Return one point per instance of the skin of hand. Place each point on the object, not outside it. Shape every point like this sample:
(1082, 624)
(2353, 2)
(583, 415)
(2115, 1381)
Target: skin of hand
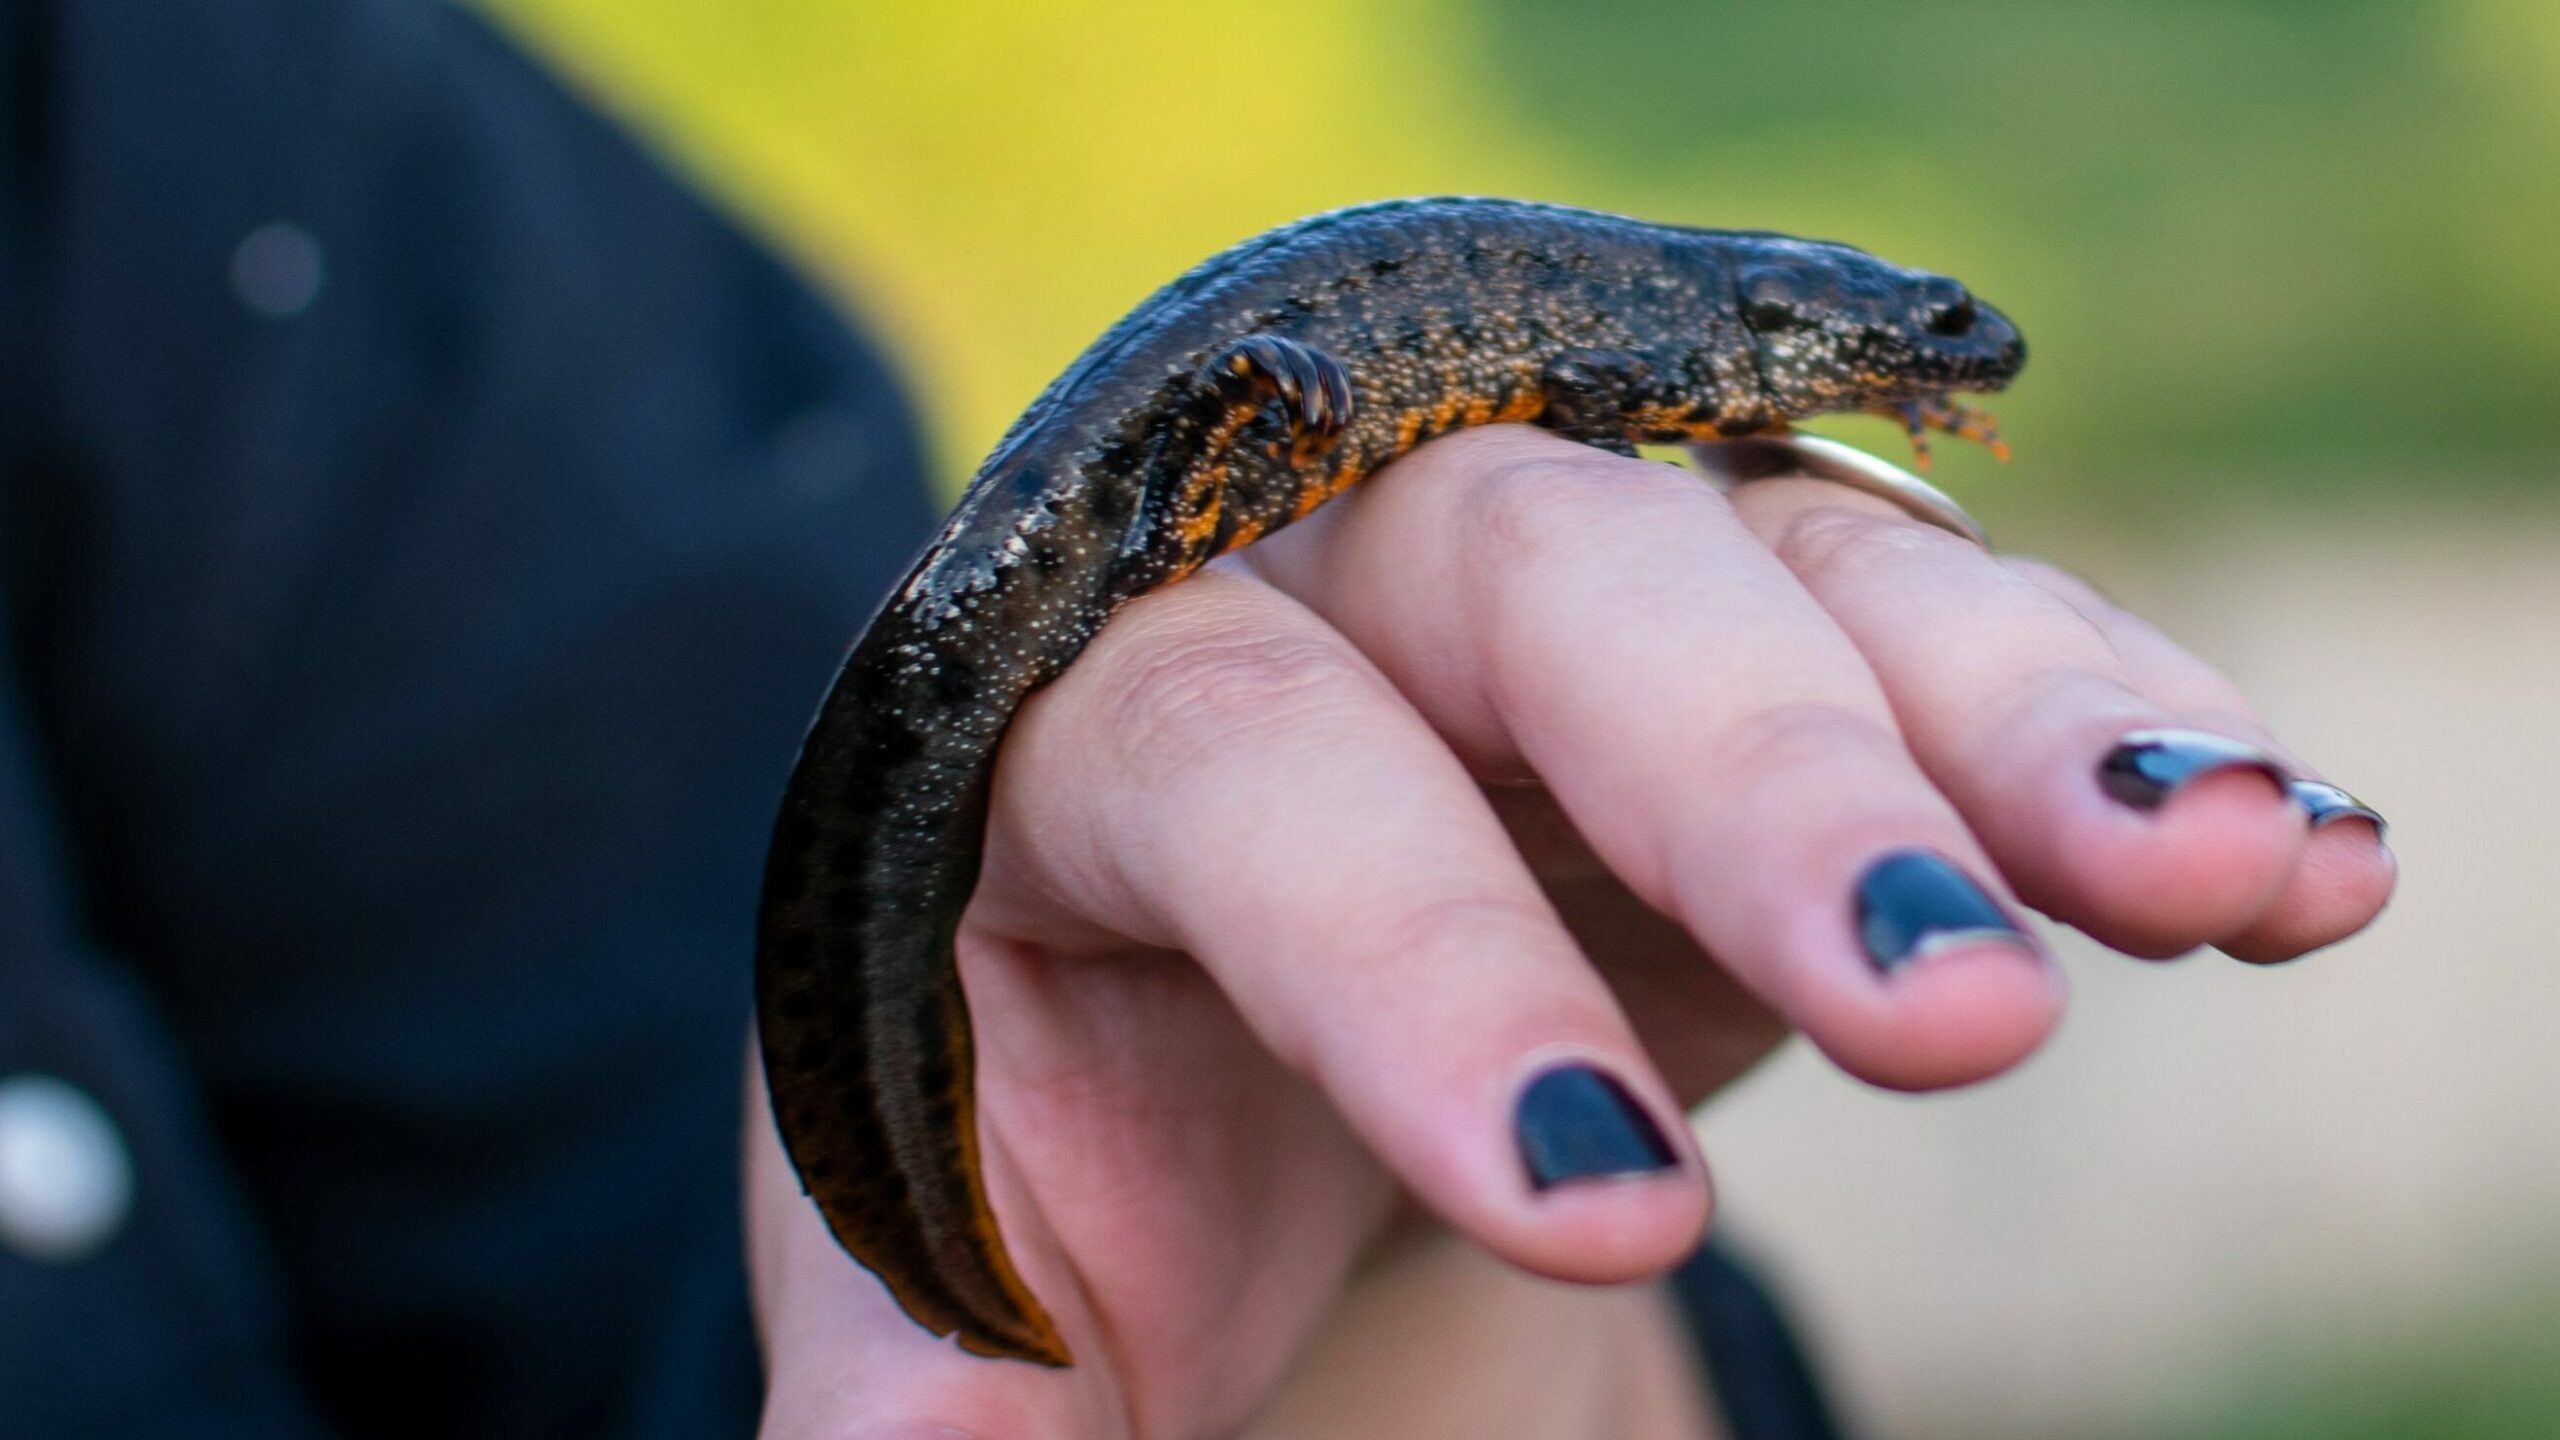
(1276, 924)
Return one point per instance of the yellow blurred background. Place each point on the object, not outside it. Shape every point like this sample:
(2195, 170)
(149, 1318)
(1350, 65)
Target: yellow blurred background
(2316, 236)
(2291, 272)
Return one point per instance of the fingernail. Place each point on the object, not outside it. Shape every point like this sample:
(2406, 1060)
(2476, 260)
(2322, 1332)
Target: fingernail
(2325, 802)
(1576, 1123)
(2149, 766)
(1915, 903)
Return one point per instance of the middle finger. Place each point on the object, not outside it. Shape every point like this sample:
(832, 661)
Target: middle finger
(1611, 626)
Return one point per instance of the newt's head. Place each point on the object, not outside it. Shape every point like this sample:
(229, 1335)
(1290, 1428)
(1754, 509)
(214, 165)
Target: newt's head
(1832, 328)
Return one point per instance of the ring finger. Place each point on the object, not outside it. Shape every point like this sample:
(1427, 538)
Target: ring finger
(2123, 788)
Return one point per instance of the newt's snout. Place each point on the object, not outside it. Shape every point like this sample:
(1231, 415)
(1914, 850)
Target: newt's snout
(1960, 341)
(1832, 328)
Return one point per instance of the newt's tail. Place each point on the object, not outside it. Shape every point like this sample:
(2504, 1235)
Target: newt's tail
(864, 1027)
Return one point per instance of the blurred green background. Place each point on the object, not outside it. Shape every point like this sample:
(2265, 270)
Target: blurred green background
(2291, 272)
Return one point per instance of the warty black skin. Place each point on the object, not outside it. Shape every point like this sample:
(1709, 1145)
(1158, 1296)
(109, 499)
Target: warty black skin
(1233, 401)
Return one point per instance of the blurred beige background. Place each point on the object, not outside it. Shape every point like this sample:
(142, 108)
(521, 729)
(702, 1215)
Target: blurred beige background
(2219, 1179)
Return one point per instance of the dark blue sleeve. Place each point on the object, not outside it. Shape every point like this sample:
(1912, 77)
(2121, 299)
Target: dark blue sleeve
(424, 531)
(1765, 1383)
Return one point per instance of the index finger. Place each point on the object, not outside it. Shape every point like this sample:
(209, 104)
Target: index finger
(1223, 774)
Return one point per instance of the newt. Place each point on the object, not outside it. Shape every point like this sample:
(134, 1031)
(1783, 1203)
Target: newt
(1235, 400)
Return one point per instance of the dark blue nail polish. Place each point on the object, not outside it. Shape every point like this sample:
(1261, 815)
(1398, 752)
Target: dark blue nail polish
(1576, 1123)
(1915, 903)
(2149, 766)
(2325, 802)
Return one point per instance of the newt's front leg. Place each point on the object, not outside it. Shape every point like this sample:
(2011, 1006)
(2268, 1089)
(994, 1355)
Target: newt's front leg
(1589, 395)
(1269, 413)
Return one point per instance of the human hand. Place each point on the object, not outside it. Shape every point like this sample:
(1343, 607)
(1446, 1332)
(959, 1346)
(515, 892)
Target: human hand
(1275, 925)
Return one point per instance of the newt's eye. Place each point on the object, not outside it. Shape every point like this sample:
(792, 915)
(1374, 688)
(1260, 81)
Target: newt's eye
(1770, 314)
(1955, 319)
(1770, 300)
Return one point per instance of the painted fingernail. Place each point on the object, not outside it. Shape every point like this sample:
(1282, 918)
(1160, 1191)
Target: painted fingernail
(2325, 802)
(2149, 766)
(1915, 903)
(1576, 1123)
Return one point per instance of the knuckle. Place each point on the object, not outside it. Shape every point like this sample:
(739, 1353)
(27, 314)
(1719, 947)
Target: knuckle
(1519, 509)
(2067, 585)
(2033, 707)
(1822, 540)
(1538, 506)
(1776, 743)
(2212, 697)
(1399, 928)
(1391, 947)
(1210, 688)
(2035, 695)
